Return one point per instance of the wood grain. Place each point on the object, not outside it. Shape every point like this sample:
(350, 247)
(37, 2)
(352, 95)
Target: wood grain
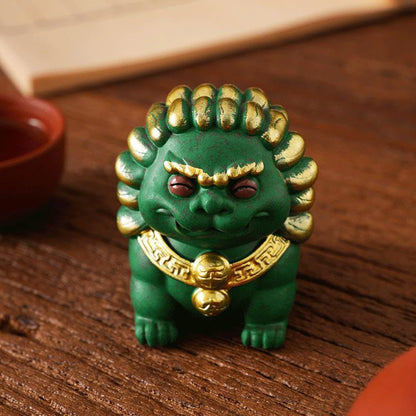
(67, 344)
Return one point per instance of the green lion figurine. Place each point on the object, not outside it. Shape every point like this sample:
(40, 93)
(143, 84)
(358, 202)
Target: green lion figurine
(215, 193)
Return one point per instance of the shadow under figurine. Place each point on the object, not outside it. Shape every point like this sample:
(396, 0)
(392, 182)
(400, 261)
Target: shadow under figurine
(215, 193)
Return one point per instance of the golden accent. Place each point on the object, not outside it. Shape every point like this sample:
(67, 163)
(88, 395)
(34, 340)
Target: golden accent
(239, 171)
(231, 92)
(211, 271)
(178, 115)
(292, 153)
(204, 90)
(210, 302)
(258, 96)
(254, 118)
(203, 113)
(276, 129)
(298, 228)
(218, 179)
(139, 144)
(302, 177)
(281, 110)
(205, 180)
(127, 196)
(129, 175)
(180, 91)
(155, 122)
(241, 272)
(129, 222)
(302, 201)
(227, 113)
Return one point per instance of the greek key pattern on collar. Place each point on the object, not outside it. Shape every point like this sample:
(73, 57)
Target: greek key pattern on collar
(242, 271)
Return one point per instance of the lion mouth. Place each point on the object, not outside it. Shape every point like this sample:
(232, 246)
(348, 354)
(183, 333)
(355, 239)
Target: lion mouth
(191, 232)
(210, 230)
(213, 231)
(200, 232)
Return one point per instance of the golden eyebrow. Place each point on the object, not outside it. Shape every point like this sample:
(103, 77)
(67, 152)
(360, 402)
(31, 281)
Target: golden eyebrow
(219, 179)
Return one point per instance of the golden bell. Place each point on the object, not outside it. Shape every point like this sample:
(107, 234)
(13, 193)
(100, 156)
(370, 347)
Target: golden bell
(210, 302)
(211, 271)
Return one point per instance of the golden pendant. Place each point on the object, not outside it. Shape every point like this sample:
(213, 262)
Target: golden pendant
(210, 272)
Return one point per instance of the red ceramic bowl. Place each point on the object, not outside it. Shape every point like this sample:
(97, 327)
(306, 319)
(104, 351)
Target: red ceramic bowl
(31, 155)
(392, 392)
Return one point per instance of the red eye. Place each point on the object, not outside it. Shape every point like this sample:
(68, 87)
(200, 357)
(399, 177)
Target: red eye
(181, 186)
(244, 188)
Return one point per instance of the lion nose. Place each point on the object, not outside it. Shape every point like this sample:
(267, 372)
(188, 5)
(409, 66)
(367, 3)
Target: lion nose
(211, 202)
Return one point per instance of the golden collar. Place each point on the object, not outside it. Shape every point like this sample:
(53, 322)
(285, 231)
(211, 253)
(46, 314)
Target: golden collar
(210, 272)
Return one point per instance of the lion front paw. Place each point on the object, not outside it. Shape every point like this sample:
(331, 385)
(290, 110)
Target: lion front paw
(154, 332)
(264, 336)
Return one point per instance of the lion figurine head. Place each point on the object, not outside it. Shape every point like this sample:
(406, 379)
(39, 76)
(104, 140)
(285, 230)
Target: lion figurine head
(216, 168)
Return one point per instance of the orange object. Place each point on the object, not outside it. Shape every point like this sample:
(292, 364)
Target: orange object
(392, 392)
(31, 155)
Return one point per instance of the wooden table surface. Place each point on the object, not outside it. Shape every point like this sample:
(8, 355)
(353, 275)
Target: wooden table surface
(67, 343)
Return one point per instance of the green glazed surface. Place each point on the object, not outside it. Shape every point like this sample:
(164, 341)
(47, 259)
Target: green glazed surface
(211, 219)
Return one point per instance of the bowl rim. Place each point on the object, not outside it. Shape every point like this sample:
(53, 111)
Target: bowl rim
(27, 104)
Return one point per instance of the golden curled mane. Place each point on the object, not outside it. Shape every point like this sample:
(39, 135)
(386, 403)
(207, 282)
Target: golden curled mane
(227, 108)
